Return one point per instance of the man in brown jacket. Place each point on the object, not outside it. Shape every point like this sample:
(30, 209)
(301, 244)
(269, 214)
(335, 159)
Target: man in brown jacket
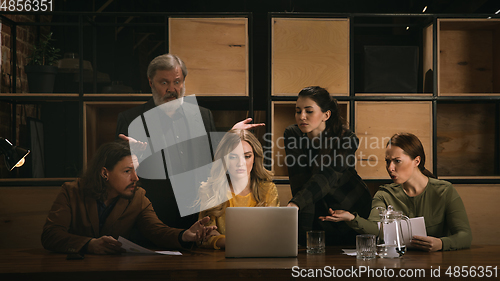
(89, 214)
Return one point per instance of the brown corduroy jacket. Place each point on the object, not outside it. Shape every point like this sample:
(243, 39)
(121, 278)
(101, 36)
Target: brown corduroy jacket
(73, 221)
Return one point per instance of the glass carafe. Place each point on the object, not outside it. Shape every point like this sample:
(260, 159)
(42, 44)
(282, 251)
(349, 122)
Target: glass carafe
(390, 240)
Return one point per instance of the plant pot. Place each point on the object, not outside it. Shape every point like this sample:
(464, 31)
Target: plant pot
(41, 78)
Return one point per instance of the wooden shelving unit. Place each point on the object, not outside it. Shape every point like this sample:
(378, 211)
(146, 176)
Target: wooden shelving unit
(454, 111)
(214, 47)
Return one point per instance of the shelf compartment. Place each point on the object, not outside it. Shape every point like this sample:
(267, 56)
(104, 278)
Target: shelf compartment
(465, 139)
(392, 54)
(99, 126)
(215, 51)
(468, 57)
(282, 116)
(310, 52)
(376, 122)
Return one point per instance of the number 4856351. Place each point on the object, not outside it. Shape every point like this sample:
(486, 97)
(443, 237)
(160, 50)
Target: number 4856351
(26, 6)
(472, 271)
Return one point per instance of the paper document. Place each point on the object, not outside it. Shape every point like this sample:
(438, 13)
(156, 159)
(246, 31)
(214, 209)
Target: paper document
(349, 252)
(133, 248)
(417, 228)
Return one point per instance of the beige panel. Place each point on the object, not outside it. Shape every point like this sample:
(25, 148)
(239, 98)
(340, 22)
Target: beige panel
(282, 116)
(466, 61)
(428, 59)
(284, 194)
(481, 204)
(465, 144)
(376, 122)
(310, 52)
(468, 56)
(100, 120)
(215, 51)
(23, 211)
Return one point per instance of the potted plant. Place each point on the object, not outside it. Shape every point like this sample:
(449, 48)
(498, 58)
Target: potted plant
(40, 69)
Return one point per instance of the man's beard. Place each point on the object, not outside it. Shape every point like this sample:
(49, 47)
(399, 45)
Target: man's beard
(126, 196)
(159, 100)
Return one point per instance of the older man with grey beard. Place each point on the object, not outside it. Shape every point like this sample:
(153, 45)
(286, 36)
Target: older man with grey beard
(166, 75)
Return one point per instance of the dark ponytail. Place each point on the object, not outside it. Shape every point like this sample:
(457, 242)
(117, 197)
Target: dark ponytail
(335, 125)
(412, 147)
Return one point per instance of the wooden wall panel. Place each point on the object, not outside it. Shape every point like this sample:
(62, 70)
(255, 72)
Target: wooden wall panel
(465, 145)
(376, 122)
(465, 61)
(481, 203)
(215, 51)
(310, 52)
(23, 211)
(468, 56)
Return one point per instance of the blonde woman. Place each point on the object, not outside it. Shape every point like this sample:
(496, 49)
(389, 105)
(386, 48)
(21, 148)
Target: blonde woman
(237, 179)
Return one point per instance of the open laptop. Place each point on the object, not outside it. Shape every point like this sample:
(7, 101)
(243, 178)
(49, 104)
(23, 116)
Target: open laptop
(261, 232)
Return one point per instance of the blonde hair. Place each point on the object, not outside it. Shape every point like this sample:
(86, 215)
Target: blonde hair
(215, 189)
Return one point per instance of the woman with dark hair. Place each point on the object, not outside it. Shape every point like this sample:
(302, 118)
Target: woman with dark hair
(417, 193)
(237, 179)
(320, 160)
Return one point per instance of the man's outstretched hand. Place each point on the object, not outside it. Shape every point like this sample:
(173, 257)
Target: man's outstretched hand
(135, 145)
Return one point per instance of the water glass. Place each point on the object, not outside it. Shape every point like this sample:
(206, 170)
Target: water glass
(315, 242)
(366, 247)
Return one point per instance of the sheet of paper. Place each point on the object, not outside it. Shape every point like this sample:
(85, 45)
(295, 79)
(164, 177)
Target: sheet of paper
(417, 228)
(349, 252)
(131, 247)
(171, 253)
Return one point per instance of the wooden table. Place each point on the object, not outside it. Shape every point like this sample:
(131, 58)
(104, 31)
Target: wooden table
(39, 264)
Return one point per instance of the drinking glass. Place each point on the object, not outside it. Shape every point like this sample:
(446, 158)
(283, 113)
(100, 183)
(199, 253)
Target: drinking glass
(366, 247)
(315, 242)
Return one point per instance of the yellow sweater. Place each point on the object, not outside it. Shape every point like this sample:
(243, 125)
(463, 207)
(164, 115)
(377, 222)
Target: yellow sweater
(268, 190)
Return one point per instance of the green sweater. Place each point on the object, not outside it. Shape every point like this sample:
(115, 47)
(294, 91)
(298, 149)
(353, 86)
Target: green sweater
(439, 204)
